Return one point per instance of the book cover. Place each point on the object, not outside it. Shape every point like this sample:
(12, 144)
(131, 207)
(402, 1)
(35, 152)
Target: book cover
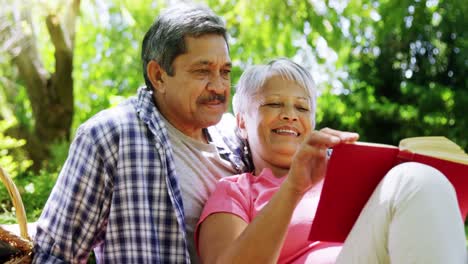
(354, 170)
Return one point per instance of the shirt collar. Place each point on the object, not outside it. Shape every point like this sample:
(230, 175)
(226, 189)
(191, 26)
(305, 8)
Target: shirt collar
(145, 104)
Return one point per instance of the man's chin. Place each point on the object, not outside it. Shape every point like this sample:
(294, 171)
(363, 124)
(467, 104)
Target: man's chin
(212, 115)
(213, 120)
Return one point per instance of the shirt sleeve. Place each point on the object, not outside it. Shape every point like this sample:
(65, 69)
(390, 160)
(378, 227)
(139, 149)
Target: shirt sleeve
(75, 215)
(230, 196)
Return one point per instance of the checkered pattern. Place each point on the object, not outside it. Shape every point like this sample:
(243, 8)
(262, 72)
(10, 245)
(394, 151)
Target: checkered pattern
(118, 191)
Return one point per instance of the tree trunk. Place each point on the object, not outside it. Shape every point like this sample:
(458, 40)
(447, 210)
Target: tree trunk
(50, 94)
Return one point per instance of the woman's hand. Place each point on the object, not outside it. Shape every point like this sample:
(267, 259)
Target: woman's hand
(310, 160)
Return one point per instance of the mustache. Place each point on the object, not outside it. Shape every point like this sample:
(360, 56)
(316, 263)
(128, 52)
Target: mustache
(211, 98)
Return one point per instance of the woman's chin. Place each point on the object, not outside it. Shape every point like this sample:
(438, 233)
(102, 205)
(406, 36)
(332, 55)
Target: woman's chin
(288, 150)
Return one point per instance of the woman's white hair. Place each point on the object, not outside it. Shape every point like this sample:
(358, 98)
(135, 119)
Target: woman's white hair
(253, 79)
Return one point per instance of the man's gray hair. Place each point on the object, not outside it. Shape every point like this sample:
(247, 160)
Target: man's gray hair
(253, 79)
(165, 39)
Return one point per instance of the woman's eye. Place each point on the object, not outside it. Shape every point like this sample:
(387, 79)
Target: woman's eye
(302, 109)
(275, 105)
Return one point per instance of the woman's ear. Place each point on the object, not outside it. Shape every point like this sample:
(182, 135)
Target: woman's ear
(241, 125)
(155, 74)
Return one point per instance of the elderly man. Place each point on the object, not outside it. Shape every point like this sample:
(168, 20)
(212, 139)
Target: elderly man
(137, 175)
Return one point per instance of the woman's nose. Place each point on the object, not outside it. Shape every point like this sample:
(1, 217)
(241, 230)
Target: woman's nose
(288, 113)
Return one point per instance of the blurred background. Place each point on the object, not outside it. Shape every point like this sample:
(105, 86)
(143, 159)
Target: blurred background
(385, 69)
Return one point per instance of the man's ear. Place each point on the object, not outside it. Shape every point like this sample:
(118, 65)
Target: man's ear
(155, 74)
(241, 125)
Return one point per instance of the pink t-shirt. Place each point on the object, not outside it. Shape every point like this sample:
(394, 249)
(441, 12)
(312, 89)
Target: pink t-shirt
(245, 195)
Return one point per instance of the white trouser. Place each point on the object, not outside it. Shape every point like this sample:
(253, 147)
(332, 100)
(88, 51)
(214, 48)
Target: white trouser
(412, 217)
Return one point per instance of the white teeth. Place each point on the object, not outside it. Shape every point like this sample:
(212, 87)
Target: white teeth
(286, 131)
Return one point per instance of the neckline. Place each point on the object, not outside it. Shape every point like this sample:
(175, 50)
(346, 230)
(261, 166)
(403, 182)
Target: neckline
(184, 138)
(267, 173)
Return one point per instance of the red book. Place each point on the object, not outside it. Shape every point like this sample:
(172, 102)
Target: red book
(354, 170)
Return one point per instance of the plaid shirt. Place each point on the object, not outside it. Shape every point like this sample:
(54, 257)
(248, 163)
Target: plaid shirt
(118, 191)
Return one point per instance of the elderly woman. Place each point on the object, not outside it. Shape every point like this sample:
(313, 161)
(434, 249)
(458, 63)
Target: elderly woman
(265, 216)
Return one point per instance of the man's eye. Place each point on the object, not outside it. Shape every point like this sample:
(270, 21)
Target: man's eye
(202, 71)
(225, 73)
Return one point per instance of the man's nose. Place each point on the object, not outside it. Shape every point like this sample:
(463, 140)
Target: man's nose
(218, 84)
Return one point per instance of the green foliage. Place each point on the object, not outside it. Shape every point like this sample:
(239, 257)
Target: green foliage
(34, 188)
(12, 161)
(413, 65)
(59, 153)
(107, 62)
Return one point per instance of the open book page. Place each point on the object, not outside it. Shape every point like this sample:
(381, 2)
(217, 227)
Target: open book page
(439, 147)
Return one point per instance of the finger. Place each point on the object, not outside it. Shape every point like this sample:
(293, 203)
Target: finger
(309, 152)
(345, 136)
(322, 140)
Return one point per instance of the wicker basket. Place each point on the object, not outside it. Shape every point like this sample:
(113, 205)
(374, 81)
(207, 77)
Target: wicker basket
(22, 244)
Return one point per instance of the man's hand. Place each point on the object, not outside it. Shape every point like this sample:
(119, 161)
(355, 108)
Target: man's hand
(310, 160)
